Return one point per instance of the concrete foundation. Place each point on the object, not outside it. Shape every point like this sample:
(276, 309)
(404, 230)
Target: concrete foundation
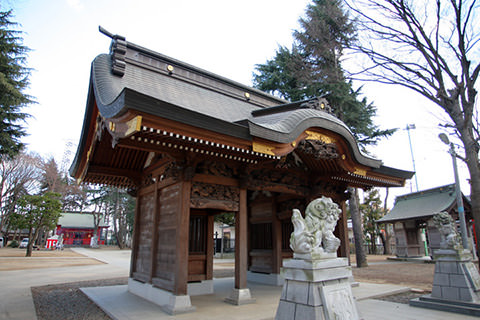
(169, 302)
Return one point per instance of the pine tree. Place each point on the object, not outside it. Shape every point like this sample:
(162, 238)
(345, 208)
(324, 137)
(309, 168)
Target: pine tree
(13, 81)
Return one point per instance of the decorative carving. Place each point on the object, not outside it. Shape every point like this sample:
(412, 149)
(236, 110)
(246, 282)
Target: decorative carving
(319, 149)
(148, 180)
(289, 161)
(172, 171)
(318, 103)
(214, 192)
(449, 237)
(215, 168)
(277, 176)
(313, 236)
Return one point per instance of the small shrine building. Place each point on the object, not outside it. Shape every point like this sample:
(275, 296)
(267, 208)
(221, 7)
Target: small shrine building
(412, 219)
(190, 144)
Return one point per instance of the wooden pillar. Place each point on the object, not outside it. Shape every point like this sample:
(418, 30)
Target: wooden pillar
(209, 262)
(182, 234)
(241, 294)
(156, 215)
(136, 234)
(276, 238)
(241, 254)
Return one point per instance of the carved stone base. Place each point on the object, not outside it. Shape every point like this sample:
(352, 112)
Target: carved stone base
(240, 296)
(317, 289)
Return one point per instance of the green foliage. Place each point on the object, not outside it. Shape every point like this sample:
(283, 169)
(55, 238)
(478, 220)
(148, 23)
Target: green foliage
(313, 68)
(227, 218)
(13, 81)
(372, 210)
(36, 211)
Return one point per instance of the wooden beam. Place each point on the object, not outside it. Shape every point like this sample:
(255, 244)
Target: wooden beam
(114, 172)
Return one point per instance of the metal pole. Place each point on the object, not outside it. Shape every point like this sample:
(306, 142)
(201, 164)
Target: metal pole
(412, 126)
(461, 210)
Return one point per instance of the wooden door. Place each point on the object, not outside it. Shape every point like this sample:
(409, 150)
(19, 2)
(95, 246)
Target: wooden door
(200, 246)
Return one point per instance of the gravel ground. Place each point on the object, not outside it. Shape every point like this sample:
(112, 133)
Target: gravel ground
(67, 302)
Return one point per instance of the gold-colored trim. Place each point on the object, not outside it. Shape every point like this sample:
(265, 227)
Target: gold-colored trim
(312, 135)
(360, 172)
(112, 126)
(262, 148)
(134, 125)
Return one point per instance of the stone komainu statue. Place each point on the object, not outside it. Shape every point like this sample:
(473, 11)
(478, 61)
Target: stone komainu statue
(449, 237)
(314, 234)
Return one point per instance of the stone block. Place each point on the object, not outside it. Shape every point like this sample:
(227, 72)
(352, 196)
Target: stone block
(315, 264)
(297, 291)
(314, 296)
(450, 293)
(450, 267)
(317, 275)
(304, 312)
(285, 310)
(240, 297)
(284, 290)
(466, 294)
(436, 291)
(458, 281)
(441, 279)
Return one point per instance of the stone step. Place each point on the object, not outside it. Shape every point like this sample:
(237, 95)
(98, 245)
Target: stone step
(462, 307)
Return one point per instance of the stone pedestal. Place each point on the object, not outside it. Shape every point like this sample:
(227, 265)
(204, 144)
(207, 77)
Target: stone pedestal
(169, 302)
(239, 297)
(317, 289)
(456, 284)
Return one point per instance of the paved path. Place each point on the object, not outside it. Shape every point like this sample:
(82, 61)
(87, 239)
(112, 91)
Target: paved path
(16, 301)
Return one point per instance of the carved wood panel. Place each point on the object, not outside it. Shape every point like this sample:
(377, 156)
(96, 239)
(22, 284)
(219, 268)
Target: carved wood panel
(214, 196)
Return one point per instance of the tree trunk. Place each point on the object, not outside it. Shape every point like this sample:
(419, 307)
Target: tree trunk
(30, 243)
(353, 205)
(473, 167)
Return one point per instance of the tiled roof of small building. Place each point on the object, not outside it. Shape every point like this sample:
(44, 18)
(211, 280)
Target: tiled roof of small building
(422, 204)
(78, 221)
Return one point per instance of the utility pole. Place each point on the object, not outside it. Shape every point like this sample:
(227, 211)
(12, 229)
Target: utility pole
(408, 128)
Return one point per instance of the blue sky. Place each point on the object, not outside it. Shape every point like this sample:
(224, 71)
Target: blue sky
(224, 37)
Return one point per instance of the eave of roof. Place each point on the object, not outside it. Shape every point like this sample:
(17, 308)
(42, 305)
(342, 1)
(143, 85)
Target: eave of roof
(421, 204)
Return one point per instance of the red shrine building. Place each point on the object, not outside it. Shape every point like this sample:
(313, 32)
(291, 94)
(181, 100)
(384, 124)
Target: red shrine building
(79, 228)
(189, 145)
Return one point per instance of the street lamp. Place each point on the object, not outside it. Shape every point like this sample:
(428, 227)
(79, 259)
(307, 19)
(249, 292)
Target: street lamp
(461, 210)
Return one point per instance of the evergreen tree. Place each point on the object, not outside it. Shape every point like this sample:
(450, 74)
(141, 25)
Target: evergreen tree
(13, 81)
(313, 68)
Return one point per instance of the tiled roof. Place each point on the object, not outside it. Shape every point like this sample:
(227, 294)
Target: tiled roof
(78, 220)
(421, 204)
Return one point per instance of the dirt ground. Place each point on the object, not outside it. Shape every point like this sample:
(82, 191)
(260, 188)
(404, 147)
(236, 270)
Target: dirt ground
(14, 259)
(417, 275)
